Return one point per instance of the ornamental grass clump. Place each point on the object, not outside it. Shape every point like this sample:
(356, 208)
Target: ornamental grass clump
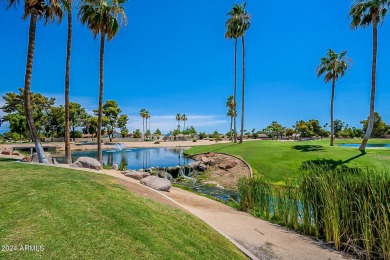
(349, 208)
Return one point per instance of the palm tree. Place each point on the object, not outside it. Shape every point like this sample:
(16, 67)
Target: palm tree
(143, 113)
(68, 155)
(178, 119)
(231, 105)
(237, 25)
(50, 11)
(364, 13)
(333, 66)
(147, 117)
(232, 33)
(102, 17)
(184, 118)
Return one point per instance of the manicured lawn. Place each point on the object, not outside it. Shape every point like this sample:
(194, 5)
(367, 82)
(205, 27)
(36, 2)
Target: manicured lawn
(79, 215)
(280, 161)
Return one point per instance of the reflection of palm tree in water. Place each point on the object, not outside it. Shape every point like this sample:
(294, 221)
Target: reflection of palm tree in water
(110, 159)
(145, 155)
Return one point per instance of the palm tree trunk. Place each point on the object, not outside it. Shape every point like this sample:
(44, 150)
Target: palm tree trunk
(68, 155)
(331, 113)
(235, 91)
(143, 128)
(243, 89)
(373, 82)
(27, 85)
(231, 126)
(99, 126)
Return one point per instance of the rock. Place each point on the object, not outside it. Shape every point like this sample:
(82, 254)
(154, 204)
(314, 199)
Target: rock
(27, 159)
(202, 167)
(137, 175)
(228, 165)
(15, 153)
(210, 154)
(48, 156)
(87, 162)
(156, 183)
(6, 152)
(205, 160)
(194, 165)
(212, 162)
(115, 167)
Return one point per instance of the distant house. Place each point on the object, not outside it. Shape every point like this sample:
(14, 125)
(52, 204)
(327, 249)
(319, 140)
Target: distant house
(262, 136)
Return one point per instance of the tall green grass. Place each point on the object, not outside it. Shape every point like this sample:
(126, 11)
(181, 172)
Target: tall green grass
(348, 208)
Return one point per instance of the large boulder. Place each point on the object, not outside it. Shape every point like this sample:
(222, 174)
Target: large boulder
(205, 160)
(115, 167)
(210, 154)
(156, 183)
(136, 174)
(87, 162)
(202, 167)
(227, 165)
(194, 165)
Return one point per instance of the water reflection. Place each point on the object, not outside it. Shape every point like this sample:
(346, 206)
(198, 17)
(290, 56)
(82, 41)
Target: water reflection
(137, 158)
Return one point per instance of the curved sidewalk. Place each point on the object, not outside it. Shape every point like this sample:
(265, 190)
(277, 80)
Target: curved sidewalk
(262, 239)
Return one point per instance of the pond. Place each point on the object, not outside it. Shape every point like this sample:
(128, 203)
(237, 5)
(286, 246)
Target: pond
(368, 145)
(135, 158)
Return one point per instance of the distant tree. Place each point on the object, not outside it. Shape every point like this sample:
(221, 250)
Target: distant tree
(122, 122)
(55, 122)
(333, 66)
(338, 125)
(157, 132)
(111, 111)
(137, 133)
(232, 113)
(76, 116)
(143, 112)
(202, 135)
(18, 124)
(178, 119)
(364, 13)
(289, 132)
(274, 130)
(305, 129)
(184, 118)
(215, 135)
(190, 131)
(379, 128)
(316, 127)
(102, 17)
(175, 133)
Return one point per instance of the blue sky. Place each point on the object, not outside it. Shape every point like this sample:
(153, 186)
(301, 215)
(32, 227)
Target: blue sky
(172, 57)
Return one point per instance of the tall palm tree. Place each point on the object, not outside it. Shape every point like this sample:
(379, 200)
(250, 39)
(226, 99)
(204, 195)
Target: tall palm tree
(50, 11)
(147, 117)
(233, 33)
(143, 113)
(184, 118)
(334, 67)
(68, 155)
(231, 105)
(237, 25)
(178, 119)
(102, 17)
(364, 13)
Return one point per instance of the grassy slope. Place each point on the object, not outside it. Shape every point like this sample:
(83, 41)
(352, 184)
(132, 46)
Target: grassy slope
(85, 215)
(279, 161)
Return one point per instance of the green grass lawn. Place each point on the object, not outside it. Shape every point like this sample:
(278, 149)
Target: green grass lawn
(84, 215)
(280, 161)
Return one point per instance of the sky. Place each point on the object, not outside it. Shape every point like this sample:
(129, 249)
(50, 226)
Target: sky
(172, 57)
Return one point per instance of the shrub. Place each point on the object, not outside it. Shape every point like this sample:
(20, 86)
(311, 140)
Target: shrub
(349, 208)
